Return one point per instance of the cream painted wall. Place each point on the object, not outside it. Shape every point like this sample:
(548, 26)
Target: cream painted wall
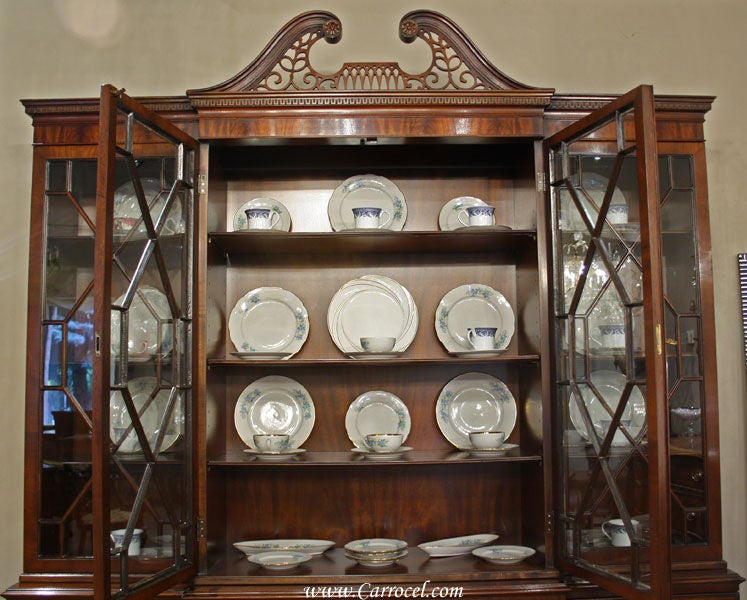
(67, 48)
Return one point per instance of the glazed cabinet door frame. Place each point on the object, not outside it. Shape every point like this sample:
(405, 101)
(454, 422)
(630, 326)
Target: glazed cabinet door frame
(124, 125)
(640, 102)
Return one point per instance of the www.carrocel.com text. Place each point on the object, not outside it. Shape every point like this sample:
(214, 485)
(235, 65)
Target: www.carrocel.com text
(365, 591)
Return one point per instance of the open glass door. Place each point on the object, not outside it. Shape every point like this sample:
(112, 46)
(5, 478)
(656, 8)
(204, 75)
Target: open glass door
(143, 448)
(610, 394)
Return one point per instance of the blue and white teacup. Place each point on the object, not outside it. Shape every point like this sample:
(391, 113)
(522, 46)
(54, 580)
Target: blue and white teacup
(370, 217)
(477, 216)
(612, 335)
(261, 218)
(615, 531)
(482, 338)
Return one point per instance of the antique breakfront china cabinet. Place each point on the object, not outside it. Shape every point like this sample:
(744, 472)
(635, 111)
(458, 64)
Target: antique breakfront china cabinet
(170, 321)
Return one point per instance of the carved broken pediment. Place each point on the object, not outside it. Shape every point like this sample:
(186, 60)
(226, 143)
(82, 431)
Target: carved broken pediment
(284, 66)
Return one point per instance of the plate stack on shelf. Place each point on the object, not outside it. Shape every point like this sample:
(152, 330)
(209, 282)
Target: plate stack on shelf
(376, 552)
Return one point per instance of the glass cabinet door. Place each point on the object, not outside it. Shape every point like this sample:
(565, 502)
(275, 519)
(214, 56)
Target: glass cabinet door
(143, 435)
(609, 371)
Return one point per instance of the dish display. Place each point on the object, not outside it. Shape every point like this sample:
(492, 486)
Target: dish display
(283, 223)
(504, 555)
(266, 321)
(278, 560)
(376, 552)
(609, 385)
(474, 402)
(304, 546)
(469, 306)
(274, 404)
(127, 212)
(142, 390)
(376, 412)
(456, 546)
(372, 306)
(149, 325)
(448, 218)
(366, 190)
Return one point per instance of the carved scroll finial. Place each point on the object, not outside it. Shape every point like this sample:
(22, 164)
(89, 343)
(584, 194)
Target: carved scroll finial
(284, 65)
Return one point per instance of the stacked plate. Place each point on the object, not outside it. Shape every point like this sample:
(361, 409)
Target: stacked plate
(372, 306)
(376, 552)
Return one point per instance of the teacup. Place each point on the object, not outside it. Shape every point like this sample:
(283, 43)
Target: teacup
(271, 442)
(261, 218)
(476, 216)
(482, 338)
(384, 442)
(612, 335)
(615, 531)
(118, 536)
(617, 214)
(370, 217)
(487, 439)
(378, 344)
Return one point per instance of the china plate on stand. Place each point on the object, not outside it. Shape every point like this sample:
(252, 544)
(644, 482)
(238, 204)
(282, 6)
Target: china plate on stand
(274, 404)
(268, 320)
(376, 411)
(474, 402)
(366, 190)
(448, 218)
(473, 305)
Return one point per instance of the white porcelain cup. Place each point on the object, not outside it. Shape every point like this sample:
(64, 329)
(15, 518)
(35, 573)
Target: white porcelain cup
(487, 439)
(384, 442)
(377, 344)
(482, 338)
(615, 531)
(261, 218)
(476, 216)
(271, 442)
(612, 335)
(118, 536)
(617, 214)
(370, 217)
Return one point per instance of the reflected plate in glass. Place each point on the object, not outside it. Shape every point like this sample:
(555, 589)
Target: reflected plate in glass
(127, 212)
(274, 404)
(148, 311)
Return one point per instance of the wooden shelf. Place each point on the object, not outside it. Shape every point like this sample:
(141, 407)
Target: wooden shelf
(352, 362)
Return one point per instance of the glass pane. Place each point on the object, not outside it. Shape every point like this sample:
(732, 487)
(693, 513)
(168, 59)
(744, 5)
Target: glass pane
(602, 386)
(66, 359)
(150, 395)
(680, 262)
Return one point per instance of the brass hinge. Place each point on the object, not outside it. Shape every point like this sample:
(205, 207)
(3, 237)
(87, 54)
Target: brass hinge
(549, 523)
(201, 529)
(541, 181)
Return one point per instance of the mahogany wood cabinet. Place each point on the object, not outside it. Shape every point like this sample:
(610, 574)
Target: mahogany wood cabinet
(142, 403)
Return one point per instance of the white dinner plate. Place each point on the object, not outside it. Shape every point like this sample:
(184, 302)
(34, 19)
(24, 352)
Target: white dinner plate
(278, 560)
(473, 305)
(504, 555)
(376, 411)
(141, 389)
(304, 546)
(283, 223)
(127, 212)
(268, 321)
(474, 402)
(372, 306)
(149, 311)
(366, 190)
(448, 218)
(274, 404)
(609, 385)
(457, 546)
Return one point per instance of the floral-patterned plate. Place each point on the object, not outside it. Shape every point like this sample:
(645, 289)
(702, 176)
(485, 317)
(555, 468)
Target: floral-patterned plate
(473, 305)
(266, 321)
(474, 402)
(366, 190)
(274, 404)
(376, 411)
(457, 546)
